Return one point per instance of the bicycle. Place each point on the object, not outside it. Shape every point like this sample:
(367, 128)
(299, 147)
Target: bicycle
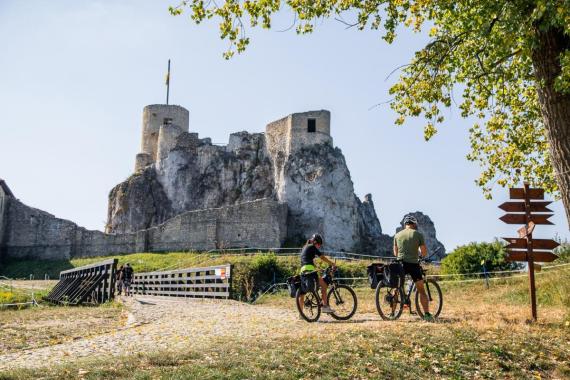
(339, 296)
(390, 301)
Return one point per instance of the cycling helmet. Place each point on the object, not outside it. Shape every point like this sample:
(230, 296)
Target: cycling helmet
(317, 238)
(410, 219)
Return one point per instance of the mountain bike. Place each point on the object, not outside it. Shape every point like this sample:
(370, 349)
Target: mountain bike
(390, 301)
(341, 298)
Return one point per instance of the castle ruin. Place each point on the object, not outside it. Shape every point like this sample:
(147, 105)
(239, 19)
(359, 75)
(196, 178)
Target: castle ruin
(262, 190)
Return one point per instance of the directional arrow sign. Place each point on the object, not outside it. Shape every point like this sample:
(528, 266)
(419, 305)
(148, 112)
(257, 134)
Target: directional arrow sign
(518, 193)
(521, 219)
(540, 256)
(536, 243)
(520, 207)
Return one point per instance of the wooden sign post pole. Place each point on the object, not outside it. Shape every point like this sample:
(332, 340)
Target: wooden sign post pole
(530, 255)
(524, 211)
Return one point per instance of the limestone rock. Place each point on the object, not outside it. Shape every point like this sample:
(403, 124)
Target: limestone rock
(138, 203)
(195, 175)
(373, 241)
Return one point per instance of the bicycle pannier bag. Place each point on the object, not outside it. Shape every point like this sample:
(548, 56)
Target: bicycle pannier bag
(309, 282)
(374, 271)
(393, 275)
(293, 283)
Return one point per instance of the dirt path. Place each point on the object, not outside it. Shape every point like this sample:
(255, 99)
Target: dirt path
(157, 323)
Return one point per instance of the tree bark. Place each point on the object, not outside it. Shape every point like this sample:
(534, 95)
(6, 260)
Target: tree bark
(555, 106)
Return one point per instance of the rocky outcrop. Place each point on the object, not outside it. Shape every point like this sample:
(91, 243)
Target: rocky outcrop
(138, 203)
(293, 162)
(427, 228)
(195, 175)
(371, 237)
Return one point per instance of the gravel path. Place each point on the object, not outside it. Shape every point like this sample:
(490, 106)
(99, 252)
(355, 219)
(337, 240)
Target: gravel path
(161, 323)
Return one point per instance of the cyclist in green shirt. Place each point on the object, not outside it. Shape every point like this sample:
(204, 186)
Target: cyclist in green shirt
(406, 245)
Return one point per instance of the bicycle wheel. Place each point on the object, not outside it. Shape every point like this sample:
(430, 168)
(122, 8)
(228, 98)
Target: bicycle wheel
(343, 300)
(310, 310)
(435, 298)
(389, 302)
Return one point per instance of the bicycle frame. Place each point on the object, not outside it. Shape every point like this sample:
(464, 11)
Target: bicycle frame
(332, 286)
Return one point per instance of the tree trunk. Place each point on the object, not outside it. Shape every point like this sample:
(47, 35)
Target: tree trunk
(555, 106)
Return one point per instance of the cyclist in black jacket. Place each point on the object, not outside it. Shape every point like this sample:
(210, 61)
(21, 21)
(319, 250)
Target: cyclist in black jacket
(308, 254)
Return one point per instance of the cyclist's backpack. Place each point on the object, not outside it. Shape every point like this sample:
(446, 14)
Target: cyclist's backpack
(293, 283)
(374, 271)
(393, 275)
(309, 282)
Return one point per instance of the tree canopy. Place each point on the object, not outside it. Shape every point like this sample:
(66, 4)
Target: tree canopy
(482, 58)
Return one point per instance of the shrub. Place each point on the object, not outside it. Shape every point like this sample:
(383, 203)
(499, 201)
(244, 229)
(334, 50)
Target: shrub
(563, 253)
(467, 258)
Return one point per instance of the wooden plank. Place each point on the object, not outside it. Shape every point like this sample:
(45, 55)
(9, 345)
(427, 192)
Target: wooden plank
(187, 270)
(187, 286)
(544, 243)
(85, 267)
(540, 256)
(521, 219)
(518, 193)
(520, 207)
(536, 243)
(199, 278)
(515, 243)
(188, 294)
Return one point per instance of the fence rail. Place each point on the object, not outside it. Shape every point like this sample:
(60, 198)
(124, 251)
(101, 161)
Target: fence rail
(206, 282)
(93, 283)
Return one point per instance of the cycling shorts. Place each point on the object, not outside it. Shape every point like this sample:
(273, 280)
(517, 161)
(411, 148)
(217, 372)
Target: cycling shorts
(414, 270)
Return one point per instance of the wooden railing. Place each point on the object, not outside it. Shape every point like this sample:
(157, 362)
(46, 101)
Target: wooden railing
(208, 282)
(93, 283)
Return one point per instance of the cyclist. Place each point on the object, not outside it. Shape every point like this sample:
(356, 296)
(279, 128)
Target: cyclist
(406, 245)
(308, 254)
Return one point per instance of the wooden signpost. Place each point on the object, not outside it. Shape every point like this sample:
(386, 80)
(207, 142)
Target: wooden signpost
(524, 248)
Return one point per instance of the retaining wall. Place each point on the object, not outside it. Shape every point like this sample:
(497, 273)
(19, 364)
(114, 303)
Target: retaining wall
(30, 233)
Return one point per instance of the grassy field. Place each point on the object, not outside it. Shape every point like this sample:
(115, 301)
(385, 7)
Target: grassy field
(35, 327)
(482, 334)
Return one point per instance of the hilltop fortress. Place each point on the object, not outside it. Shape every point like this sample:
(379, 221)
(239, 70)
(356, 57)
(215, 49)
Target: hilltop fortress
(261, 190)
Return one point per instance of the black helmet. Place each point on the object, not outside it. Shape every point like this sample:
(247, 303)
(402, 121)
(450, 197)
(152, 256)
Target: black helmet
(410, 219)
(317, 239)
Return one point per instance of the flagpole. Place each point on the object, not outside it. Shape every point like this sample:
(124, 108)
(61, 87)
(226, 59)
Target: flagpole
(168, 82)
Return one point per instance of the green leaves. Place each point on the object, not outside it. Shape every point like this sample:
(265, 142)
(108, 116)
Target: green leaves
(479, 59)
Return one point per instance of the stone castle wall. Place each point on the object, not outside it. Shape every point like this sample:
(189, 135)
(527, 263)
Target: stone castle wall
(30, 233)
(5, 193)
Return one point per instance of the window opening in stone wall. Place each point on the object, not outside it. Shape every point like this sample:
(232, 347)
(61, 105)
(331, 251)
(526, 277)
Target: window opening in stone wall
(167, 121)
(311, 125)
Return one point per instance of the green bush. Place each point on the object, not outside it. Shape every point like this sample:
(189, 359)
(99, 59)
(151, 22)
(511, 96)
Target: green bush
(467, 259)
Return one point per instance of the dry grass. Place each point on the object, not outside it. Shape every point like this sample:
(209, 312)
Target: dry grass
(482, 334)
(50, 325)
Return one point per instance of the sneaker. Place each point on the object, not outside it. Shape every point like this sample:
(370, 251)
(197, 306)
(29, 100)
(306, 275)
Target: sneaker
(428, 317)
(327, 309)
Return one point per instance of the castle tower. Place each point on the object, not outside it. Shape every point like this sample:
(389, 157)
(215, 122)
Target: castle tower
(173, 118)
(298, 130)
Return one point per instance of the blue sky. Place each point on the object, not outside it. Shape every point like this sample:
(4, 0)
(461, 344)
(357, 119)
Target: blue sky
(75, 75)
